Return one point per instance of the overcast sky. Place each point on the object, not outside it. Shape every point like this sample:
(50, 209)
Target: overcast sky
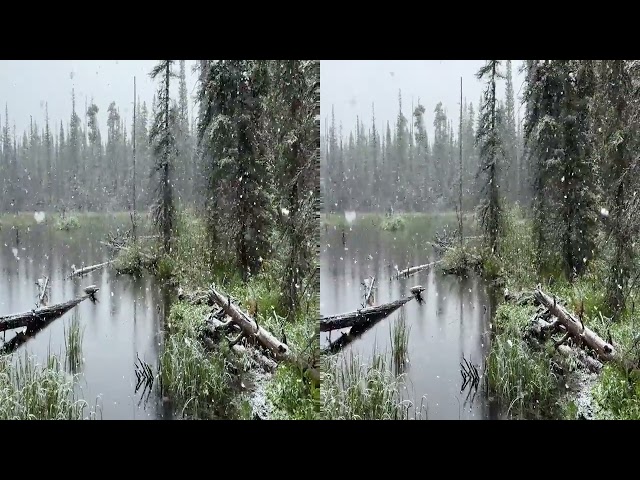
(352, 85)
(25, 86)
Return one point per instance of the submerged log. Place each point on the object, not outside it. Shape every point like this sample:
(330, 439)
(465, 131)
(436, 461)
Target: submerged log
(252, 330)
(362, 317)
(576, 329)
(40, 315)
(411, 270)
(85, 270)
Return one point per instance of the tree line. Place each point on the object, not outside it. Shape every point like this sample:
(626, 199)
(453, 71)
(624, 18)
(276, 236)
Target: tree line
(399, 167)
(72, 165)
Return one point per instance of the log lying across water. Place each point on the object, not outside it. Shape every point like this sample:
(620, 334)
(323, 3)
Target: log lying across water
(39, 316)
(360, 318)
(411, 270)
(252, 330)
(575, 328)
(85, 270)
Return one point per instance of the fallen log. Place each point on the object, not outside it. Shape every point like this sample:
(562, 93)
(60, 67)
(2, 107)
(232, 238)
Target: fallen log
(346, 338)
(362, 317)
(251, 329)
(411, 270)
(40, 315)
(83, 271)
(590, 363)
(575, 328)
(368, 285)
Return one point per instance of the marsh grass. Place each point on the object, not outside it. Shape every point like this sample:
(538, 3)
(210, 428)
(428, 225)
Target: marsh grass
(68, 222)
(354, 390)
(198, 381)
(73, 336)
(33, 391)
(393, 224)
(399, 339)
(198, 378)
(129, 261)
(521, 379)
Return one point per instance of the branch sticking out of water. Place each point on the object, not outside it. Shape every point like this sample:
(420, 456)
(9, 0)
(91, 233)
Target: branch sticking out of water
(470, 375)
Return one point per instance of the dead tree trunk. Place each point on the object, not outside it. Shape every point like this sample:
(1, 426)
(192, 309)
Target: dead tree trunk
(411, 270)
(40, 315)
(368, 285)
(251, 329)
(575, 328)
(362, 317)
(43, 284)
(85, 270)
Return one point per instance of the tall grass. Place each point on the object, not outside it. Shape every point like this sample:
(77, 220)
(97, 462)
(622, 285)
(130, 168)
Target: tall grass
(195, 379)
(353, 390)
(399, 338)
(73, 335)
(30, 391)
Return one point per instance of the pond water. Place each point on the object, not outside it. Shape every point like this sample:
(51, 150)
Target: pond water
(124, 324)
(452, 323)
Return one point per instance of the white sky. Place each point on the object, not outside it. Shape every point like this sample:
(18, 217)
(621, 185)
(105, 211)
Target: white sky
(352, 85)
(25, 86)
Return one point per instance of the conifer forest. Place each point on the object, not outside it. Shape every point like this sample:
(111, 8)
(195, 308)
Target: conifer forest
(489, 262)
(227, 239)
(158, 227)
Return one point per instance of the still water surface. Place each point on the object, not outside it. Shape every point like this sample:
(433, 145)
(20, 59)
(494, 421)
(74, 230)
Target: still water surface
(454, 321)
(125, 323)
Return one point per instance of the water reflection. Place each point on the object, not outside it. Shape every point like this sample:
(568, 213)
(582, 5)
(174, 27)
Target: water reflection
(449, 325)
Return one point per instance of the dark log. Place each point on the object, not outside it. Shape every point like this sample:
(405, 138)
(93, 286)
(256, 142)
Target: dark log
(39, 316)
(362, 317)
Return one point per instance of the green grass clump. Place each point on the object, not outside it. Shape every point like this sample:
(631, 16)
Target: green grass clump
(617, 394)
(393, 224)
(292, 396)
(197, 380)
(352, 390)
(459, 260)
(67, 223)
(30, 391)
(73, 336)
(520, 378)
(399, 338)
(129, 261)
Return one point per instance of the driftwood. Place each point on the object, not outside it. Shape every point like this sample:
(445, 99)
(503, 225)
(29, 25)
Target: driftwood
(43, 284)
(39, 316)
(575, 328)
(411, 270)
(83, 271)
(362, 317)
(369, 284)
(252, 330)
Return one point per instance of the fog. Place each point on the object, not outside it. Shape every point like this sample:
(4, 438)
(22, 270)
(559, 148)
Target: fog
(25, 86)
(351, 86)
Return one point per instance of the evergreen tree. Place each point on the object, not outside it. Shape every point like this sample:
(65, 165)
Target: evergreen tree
(490, 152)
